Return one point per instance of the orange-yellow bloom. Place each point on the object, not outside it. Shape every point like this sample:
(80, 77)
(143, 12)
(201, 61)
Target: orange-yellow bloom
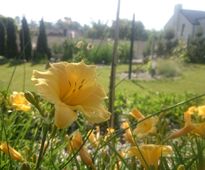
(144, 127)
(110, 131)
(190, 126)
(89, 46)
(79, 44)
(137, 114)
(128, 134)
(15, 155)
(76, 143)
(149, 154)
(72, 87)
(201, 111)
(19, 102)
(92, 138)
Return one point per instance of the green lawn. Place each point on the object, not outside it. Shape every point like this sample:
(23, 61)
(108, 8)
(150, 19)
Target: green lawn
(192, 79)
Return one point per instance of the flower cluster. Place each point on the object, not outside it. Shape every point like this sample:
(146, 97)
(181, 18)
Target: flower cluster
(70, 98)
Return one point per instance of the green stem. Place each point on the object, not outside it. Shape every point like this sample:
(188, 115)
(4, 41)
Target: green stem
(41, 153)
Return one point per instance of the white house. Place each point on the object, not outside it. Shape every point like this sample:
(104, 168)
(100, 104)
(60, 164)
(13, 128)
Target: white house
(186, 23)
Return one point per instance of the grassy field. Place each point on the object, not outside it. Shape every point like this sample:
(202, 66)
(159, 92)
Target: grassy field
(192, 79)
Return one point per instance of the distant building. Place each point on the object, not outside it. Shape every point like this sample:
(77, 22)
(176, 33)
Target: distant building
(186, 23)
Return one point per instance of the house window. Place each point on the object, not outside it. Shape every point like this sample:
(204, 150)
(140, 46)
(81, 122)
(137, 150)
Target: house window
(182, 30)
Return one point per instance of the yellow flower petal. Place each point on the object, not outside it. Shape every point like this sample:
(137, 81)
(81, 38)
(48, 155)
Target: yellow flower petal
(92, 138)
(79, 44)
(76, 140)
(128, 134)
(201, 111)
(19, 101)
(64, 116)
(183, 131)
(74, 85)
(15, 155)
(146, 127)
(149, 154)
(86, 158)
(137, 114)
(199, 129)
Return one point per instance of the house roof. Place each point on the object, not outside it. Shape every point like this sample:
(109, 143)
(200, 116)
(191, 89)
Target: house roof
(193, 16)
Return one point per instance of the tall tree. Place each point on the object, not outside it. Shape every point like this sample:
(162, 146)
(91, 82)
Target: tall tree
(42, 49)
(11, 44)
(2, 36)
(125, 30)
(25, 40)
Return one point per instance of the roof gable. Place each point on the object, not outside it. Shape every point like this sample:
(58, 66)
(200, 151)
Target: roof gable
(193, 16)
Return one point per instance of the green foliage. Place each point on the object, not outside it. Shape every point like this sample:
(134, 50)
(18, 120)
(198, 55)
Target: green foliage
(34, 131)
(161, 43)
(68, 50)
(97, 31)
(80, 50)
(25, 41)
(196, 49)
(11, 44)
(180, 52)
(2, 37)
(124, 52)
(125, 30)
(101, 54)
(101, 31)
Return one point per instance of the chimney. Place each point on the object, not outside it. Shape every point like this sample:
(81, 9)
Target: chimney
(177, 8)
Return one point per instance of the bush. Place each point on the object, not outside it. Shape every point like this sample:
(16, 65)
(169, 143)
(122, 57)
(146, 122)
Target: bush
(168, 68)
(101, 54)
(124, 52)
(196, 49)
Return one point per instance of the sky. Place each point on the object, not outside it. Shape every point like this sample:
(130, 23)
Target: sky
(154, 14)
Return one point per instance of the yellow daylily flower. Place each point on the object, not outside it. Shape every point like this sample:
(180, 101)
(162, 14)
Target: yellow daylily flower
(128, 134)
(14, 154)
(189, 126)
(72, 87)
(110, 131)
(90, 46)
(144, 127)
(19, 102)
(199, 129)
(201, 111)
(92, 138)
(79, 44)
(75, 144)
(137, 114)
(149, 154)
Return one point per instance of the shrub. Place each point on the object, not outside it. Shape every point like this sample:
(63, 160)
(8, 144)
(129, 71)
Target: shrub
(124, 52)
(196, 49)
(168, 68)
(101, 54)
